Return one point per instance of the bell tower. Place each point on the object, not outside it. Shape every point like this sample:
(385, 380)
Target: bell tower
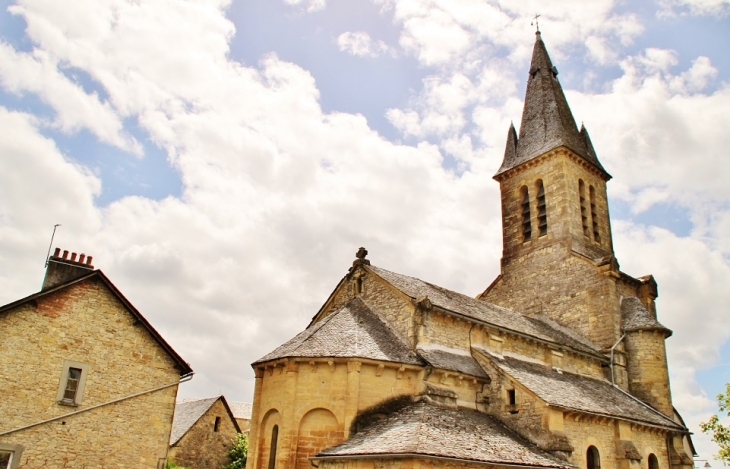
(557, 257)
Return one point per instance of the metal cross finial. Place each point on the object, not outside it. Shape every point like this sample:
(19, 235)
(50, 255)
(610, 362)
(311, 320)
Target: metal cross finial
(535, 23)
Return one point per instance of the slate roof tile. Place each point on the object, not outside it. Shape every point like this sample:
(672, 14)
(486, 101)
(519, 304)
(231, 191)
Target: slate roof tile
(547, 121)
(186, 414)
(637, 318)
(580, 393)
(452, 361)
(487, 312)
(241, 410)
(426, 429)
(354, 331)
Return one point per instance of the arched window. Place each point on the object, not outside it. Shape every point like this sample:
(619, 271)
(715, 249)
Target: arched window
(272, 452)
(593, 458)
(526, 223)
(541, 209)
(594, 215)
(653, 462)
(583, 207)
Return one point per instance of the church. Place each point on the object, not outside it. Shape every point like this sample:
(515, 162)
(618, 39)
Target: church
(559, 363)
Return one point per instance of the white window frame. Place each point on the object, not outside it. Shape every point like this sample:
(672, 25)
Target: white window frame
(15, 452)
(84, 367)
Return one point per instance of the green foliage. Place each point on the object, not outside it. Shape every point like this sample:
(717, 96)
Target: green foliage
(720, 432)
(173, 465)
(238, 453)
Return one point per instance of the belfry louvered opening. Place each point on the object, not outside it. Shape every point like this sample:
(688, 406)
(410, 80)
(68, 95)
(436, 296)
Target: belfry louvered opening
(594, 216)
(525, 206)
(583, 208)
(542, 224)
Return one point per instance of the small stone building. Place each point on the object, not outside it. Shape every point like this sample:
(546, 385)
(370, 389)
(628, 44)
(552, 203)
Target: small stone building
(559, 363)
(87, 381)
(202, 433)
(242, 413)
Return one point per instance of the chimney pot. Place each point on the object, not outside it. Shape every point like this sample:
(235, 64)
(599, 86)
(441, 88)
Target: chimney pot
(82, 256)
(88, 260)
(65, 254)
(73, 257)
(57, 252)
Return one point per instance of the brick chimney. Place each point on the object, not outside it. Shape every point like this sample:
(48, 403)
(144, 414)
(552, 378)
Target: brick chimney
(62, 269)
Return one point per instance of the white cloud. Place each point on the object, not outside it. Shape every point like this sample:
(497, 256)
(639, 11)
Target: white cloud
(40, 74)
(359, 43)
(310, 5)
(694, 7)
(278, 195)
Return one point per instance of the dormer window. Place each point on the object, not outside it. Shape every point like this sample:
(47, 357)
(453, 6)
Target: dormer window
(541, 209)
(525, 207)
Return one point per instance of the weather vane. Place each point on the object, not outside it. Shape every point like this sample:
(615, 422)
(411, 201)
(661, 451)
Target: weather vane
(535, 23)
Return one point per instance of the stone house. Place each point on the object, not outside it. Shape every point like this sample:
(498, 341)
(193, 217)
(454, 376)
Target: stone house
(559, 363)
(202, 433)
(242, 413)
(87, 381)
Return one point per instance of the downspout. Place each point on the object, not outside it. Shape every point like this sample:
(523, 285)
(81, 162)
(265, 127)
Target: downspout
(613, 347)
(182, 379)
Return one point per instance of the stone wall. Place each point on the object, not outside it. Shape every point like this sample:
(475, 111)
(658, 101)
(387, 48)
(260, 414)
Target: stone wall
(202, 447)
(84, 323)
(304, 399)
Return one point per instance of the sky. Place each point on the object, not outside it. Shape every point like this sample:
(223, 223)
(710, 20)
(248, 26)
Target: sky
(224, 160)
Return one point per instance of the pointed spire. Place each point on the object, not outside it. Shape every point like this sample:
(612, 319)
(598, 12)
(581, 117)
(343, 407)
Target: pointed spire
(510, 150)
(547, 121)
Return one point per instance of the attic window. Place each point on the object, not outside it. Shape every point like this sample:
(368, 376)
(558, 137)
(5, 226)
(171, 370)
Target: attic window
(72, 383)
(512, 397)
(594, 215)
(525, 205)
(541, 208)
(217, 424)
(583, 207)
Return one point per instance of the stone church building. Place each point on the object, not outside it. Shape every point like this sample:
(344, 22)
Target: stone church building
(559, 363)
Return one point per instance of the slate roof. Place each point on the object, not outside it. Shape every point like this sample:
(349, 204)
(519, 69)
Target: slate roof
(635, 317)
(186, 414)
(352, 332)
(547, 121)
(241, 410)
(579, 393)
(487, 312)
(452, 361)
(183, 366)
(424, 429)
(189, 411)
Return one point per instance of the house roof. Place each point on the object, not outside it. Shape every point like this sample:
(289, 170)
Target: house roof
(488, 313)
(241, 410)
(570, 391)
(188, 412)
(353, 331)
(424, 429)
(182, 365)
(547, 121)
(636, 317)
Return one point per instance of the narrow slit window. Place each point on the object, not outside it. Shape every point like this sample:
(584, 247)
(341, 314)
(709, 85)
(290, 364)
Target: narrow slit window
(593, 458)
(512, 396)
(272, 452)
(594, 215)
(525, 206)
(541, 209)
(217, 424)
(583, 208)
